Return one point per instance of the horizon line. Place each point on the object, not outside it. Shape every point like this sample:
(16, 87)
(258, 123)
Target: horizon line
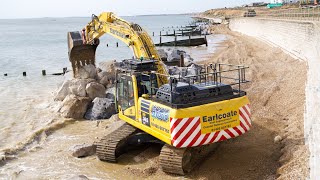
(90, 16)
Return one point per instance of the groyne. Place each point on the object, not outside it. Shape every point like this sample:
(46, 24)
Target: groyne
(301, 40)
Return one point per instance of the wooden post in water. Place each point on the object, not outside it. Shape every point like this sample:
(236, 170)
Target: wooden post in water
(182, 32)
(205, 38)
(117, 44)
(64, 70)
(152, 33)
(44, 72)
(175, 40)
(160, 33)
(174, 32)
(6, 74)
(189, 39)
(24, 73)
(181, 60)
(160, 41)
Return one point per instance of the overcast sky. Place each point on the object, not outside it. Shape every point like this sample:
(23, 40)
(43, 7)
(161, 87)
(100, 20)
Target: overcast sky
(83, 8)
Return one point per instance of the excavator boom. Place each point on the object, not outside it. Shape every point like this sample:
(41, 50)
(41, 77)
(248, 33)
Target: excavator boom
(83, 44)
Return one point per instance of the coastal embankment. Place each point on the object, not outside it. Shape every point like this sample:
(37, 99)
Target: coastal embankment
(301, 40)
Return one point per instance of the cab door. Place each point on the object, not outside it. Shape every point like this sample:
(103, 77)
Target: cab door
(126, 96)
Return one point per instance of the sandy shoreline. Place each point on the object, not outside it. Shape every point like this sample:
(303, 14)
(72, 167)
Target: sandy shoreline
(277, 94)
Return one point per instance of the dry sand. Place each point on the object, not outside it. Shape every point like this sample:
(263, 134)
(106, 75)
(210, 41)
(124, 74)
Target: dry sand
(277, 94)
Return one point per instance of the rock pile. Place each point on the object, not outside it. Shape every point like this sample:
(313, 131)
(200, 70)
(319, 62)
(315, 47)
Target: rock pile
(90, 94)
(174, 55)
(86, 95)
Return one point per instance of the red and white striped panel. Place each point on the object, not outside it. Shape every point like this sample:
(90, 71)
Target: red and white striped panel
(186, 132)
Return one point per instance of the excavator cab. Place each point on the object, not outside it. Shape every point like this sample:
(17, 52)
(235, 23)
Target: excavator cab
(134, 81)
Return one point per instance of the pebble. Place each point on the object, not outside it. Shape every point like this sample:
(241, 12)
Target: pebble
(277, 139)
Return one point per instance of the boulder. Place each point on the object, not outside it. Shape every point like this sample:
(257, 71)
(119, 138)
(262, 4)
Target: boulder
(103, 108)
(175, 55)
(74, 107)
(94, 90)
(78, 86)
(87, 72)
(83, 150)
(105, 78)
(188, 60)
(108, 66)
(194, 70)
(174, 70)
(110, 96)
(163, 55)
(63, 91)
(105, 81)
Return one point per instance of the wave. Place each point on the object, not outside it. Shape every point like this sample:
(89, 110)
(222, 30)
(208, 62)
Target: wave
(36, 138)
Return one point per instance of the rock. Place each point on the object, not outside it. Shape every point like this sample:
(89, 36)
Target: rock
(78, 86)
(188, 60)
(174, 70)
(104, 81)
(111, 90)
(63, 91)
(105, 78)
(79, 177)
(83, 150)
(194, 70)
(94, 90)
(87, 72)
(277, 139)
(110, 96)
(103, 108)
(175, 55)
(74, 107)
(163, 55)
(108, 66)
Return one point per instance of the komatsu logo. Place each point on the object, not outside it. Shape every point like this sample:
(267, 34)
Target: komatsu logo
(217, 117)
(160, 113)
(117, 33)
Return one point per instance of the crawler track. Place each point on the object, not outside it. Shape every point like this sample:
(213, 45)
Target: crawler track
(113, 145)
(182, 161)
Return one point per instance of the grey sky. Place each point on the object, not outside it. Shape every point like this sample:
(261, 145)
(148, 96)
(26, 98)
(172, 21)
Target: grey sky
(68, 8)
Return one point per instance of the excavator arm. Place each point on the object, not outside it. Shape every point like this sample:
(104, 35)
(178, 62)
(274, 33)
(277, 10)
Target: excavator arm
(82, 45)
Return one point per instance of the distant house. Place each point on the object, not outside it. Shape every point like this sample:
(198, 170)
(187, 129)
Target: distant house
(276, 2)
(255, 4)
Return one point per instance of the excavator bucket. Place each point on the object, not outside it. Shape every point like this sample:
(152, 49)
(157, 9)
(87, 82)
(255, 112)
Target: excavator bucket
(80, 54)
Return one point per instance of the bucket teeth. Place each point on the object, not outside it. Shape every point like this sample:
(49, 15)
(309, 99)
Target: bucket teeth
(80, 54)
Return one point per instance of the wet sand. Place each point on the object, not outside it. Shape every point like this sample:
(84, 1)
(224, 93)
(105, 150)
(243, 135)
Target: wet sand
(277, 99)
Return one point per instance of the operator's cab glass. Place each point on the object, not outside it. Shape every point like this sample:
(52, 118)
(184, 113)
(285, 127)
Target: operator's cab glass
(147, 84)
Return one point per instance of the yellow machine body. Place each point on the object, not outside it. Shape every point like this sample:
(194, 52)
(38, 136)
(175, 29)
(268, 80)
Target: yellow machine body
(187, 127)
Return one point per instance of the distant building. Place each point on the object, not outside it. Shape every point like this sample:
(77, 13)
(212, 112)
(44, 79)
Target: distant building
(255, 4)
(276, 1)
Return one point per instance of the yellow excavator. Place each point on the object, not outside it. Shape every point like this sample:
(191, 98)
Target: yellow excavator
(187, 113)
